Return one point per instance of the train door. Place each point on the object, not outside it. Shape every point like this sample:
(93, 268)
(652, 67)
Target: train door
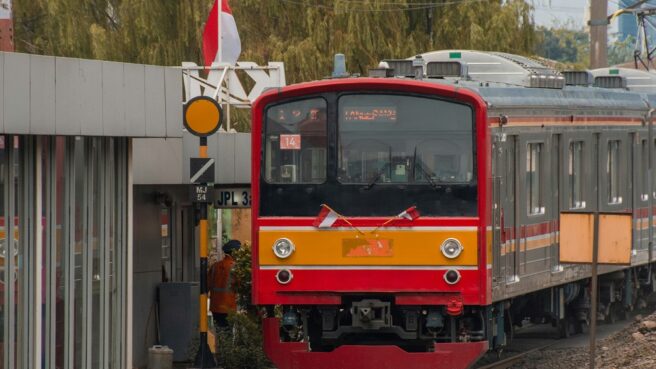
(554, 223)
(577, 180)
(641, 192)
(533, 189)
(614, 173)
(509, 250)
(497, 171)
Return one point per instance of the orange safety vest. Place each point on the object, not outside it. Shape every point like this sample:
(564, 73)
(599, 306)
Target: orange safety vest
(221, 286)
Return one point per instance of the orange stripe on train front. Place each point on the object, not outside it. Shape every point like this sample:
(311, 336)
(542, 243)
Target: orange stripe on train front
(385, 247)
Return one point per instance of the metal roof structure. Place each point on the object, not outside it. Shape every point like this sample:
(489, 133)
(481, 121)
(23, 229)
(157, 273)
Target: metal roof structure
(494, 67)
(45, 95)
(636, 80)
(515, 82)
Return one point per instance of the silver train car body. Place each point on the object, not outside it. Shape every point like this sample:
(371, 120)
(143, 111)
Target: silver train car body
(561, 143)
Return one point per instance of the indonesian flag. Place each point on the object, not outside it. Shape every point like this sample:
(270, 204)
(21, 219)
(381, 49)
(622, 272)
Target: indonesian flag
(326, 218)
(230, 43)
(410, 213)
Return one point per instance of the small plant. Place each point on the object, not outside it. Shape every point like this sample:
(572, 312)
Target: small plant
(242, 274)
(241, 346)
(192, 348)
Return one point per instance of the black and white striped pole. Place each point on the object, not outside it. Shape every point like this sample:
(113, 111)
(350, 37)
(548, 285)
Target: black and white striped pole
(202, 117)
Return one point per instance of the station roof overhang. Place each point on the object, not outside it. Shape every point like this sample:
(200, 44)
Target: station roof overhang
(45, 95)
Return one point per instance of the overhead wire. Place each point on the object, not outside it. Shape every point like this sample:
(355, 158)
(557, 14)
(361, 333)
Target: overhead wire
(398, 7)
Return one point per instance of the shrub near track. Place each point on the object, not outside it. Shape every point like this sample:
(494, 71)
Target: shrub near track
(240, 347)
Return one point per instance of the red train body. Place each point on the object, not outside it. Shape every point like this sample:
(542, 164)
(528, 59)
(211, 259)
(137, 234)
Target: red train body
(418, 286)
(492, 149)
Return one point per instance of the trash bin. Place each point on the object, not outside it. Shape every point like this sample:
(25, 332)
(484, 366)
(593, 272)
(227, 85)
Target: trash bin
(160, 357)
(178, 317)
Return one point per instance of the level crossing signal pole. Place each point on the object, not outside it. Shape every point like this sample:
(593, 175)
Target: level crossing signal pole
(202, 116)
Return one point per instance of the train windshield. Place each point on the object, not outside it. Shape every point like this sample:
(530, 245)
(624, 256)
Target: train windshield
(352, 150)
(404, 139)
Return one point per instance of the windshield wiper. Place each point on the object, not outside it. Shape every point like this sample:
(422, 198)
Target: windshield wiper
(380, 172)
(426, 172)
(376, 177)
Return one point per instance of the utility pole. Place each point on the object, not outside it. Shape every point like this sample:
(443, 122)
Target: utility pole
(598, 33)
(6, 26)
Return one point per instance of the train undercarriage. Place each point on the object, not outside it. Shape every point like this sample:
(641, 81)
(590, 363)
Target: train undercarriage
(453, 335)
(567, 307)
(372, 329)
(375, 320)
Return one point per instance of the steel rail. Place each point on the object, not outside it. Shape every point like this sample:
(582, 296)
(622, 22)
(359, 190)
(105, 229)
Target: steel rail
(510, 361)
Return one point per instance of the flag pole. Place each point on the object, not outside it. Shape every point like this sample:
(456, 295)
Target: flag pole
(219, 39)
(388, 221)
(340, 216)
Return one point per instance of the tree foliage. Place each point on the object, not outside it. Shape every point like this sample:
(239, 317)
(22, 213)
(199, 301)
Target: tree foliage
(621, 51)
(302, 33)
(565, 45)
(571, 47)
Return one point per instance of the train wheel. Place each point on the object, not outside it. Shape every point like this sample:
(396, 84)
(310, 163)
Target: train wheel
(615, 313)
(565, 328)
(509, 327)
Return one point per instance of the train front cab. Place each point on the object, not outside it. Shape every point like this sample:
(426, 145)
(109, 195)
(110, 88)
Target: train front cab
(371, 289)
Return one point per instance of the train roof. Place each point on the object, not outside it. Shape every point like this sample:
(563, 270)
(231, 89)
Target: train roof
(569, 98)
(512, 81)
(507, 81)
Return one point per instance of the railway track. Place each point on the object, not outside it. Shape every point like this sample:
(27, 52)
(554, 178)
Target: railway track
(510, 361)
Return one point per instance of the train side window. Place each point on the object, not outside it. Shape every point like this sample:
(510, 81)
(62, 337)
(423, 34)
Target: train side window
(575, 174)
(613, 172)
(534, 174)
(510, 172)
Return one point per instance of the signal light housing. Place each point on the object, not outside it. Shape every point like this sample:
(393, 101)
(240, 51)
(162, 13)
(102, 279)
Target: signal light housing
(452, 276)
(284, 276)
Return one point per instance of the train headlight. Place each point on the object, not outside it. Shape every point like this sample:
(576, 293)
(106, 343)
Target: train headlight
(451, 248)
(283, 248)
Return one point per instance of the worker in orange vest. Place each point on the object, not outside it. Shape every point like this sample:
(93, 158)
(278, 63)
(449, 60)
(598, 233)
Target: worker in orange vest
(220, 283)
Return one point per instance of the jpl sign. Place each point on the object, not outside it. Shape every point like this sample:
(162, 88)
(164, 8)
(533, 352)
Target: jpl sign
(233, 198)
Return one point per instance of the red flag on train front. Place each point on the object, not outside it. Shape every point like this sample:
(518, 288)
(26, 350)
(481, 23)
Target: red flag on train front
(410, 213)
(326, 218)
(221, 41)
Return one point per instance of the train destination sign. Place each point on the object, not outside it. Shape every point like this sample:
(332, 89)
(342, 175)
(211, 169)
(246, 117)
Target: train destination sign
(383, 114)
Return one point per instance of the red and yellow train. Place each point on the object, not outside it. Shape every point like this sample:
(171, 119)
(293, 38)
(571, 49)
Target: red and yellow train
(489, 149)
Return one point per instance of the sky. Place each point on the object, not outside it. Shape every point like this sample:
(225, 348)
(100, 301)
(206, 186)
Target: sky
(566, 12)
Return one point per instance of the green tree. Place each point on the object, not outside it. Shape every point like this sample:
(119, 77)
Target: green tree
(303, 33)
(565, 45)
(139, 31)
(620, 52)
